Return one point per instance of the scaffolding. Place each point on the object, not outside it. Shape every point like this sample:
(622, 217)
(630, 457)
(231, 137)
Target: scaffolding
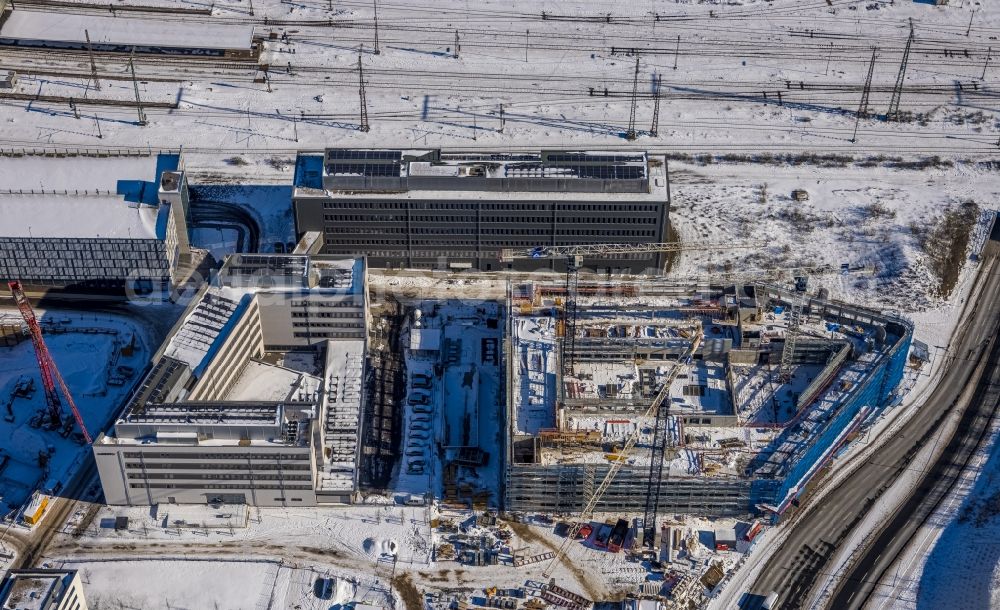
(530, 489)
(558, 471)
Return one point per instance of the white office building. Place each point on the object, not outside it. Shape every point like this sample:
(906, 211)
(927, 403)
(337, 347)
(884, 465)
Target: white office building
(220, 418)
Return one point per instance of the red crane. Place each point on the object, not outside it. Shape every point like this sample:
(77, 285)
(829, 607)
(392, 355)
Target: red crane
(46, 366)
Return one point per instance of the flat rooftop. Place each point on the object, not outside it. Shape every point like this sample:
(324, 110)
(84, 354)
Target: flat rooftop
(544, 164)
(50, 26)
(245, 269)
(268, 382)
(76, 216)
(500, 174)
(34, 589)
(236, 413)
(342, 275)
(72, 173)
(343, 372)
(700, 388)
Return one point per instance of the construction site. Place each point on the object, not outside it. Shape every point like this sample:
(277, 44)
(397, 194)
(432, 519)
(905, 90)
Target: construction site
(662, 397)
(44, 429)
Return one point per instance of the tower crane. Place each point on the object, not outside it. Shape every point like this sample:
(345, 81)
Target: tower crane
(652, 412)
(656, 409)
(46, 366)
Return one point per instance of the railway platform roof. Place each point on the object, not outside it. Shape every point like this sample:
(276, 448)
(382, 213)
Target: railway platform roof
(73, 28)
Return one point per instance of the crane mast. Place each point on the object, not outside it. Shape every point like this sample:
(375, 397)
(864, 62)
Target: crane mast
(46, 366)
(652, 412)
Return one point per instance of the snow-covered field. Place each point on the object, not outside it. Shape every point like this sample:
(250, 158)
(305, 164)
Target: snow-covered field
(869, 218)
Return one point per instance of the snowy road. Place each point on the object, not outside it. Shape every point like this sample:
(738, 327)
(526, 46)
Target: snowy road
(867, 573)
(814, 539)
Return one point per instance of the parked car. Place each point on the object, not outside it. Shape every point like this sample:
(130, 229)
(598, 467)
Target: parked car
(420, 381)
(420, 427)
(419, 398)
(421, 409)
(323, 588)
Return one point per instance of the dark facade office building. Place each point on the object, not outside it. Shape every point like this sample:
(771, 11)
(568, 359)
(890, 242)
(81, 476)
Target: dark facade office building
(439, 210)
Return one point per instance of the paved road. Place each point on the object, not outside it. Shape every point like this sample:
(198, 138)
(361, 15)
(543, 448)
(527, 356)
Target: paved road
(862, 581)
(33, 546)
(814, 538)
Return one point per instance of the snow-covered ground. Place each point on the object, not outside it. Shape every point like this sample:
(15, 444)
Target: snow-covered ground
(281, 552)
(866, 218)
(86, 348)
(722, 68)
(223, 584)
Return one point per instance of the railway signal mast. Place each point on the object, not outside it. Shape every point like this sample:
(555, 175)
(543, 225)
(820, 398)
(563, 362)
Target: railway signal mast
(631, 134)
(897, 92)
(47, 367)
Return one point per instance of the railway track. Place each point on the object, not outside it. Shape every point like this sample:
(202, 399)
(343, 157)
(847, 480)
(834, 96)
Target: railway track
(8, 52)
(112, 9)
(86, 101)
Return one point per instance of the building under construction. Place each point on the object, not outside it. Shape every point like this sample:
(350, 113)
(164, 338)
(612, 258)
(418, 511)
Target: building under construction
(757, 387)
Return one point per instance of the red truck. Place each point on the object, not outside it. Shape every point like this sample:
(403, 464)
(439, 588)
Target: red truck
(618, 533)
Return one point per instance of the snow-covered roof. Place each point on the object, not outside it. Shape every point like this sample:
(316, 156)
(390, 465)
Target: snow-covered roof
(544, 171)
(32, 25)
(204, 328)
(78, 216)
(72, 174)
(701, 390)
(262, 381)
(35, 589)
(467, 179)
(425, 339)
(344, 384)
(347, 274)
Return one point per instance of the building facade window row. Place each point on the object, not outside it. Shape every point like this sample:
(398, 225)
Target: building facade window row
(216, 455)
(251, 466)
(492, 206)
(215, 486)
(159, 476)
